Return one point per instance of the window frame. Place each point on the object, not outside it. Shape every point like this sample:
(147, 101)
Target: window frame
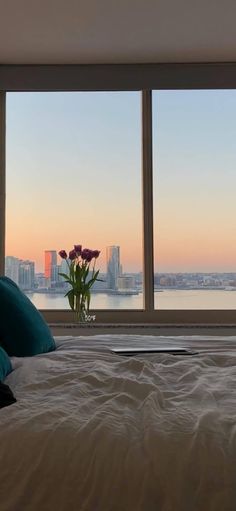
(119, 77)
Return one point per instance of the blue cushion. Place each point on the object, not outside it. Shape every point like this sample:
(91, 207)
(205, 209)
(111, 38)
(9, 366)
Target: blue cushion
(5, 364)
(23, 331)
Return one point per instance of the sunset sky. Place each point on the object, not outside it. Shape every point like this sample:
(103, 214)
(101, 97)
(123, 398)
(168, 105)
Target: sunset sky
(195, 180)
(74, 176)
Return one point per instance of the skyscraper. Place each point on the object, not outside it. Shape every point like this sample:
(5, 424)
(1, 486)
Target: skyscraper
(22, 272)
(113, 266)
(26, 275)
(12, 268)
(50, 264)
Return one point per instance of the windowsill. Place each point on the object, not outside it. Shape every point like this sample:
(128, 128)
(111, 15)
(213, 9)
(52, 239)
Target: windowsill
(73, 329)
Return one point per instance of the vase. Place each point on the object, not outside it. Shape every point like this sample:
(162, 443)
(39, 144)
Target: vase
(80, 305)
(81, 311)
(81, 316)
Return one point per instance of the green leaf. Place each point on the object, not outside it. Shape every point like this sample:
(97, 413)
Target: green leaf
(86, 272)
(72, 271)
(95, 275)
(64, 275)
(87, 298)
(71, 298)
(78, 274)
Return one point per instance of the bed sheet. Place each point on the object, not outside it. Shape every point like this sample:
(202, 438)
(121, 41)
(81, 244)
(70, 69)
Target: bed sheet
(93, 431)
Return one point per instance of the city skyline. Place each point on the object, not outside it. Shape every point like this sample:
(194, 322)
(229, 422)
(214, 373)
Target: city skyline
(41, 267)
(115, 264)
(118, 290)
(73, 163)
(24, 274)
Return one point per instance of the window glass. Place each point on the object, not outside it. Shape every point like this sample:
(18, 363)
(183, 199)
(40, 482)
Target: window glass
(194, 136)
(73, 170)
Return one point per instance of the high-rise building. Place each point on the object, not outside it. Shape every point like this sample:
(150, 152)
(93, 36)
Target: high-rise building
(50, 267)
(64, 268)
(12, 268)
(27, 275)
(113, 266)
(40, 281)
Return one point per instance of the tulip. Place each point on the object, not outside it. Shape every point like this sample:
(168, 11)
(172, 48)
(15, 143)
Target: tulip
(78, 249)
(63, 254)
(80, 279)
(72, 255)
(96, 253)
(85, 253)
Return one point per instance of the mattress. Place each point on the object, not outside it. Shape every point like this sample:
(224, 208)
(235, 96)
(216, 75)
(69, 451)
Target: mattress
(94, 431)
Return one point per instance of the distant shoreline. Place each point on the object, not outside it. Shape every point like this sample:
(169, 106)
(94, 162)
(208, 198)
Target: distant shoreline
(129, 293)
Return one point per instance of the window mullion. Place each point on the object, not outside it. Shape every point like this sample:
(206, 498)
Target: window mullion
(148, 263)
(2, 178)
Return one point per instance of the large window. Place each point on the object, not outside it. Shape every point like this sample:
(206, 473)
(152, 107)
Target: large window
(194, 199)
(73, 176)
(149, 183)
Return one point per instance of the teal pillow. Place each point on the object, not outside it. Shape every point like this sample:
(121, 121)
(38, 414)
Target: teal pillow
(23, 331)
(5, 364)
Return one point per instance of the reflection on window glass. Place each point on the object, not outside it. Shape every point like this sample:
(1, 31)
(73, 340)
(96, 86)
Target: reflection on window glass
(194, 199)
(73, 177)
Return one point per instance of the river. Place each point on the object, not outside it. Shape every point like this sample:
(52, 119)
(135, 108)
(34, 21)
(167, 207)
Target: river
(167, 299)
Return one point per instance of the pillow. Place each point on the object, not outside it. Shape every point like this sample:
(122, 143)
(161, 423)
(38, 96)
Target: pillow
(23, 331)
(5, 364)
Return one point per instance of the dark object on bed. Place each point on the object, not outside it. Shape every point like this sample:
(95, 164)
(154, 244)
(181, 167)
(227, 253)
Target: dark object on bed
(132, 351)
(6, 396)
(5, 364)
(23, 331)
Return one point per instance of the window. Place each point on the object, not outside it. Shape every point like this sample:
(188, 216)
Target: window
(101, 137)
(194, 199)
(73, 175)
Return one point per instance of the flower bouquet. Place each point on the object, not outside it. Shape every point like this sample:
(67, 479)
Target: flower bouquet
(81, 277)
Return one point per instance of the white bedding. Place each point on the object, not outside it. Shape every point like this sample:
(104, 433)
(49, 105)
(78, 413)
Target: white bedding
(93, 431)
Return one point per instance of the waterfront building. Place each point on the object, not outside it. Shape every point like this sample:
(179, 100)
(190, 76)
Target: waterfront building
(113, 266)
(12, 268)
(126, 283)
(50, 267)
(27, 275)
(63, 268)
(41, 281)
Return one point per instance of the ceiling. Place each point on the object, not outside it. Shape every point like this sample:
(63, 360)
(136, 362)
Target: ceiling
(117, 31)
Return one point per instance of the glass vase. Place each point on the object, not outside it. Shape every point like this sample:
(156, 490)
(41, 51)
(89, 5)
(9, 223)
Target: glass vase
(81, 311)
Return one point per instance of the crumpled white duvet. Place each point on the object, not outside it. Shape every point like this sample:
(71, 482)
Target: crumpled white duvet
(93, 431)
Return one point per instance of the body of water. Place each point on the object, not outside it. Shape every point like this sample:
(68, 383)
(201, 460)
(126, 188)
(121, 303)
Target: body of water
(168, 299)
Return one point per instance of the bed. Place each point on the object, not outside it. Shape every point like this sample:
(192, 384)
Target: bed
(94, 431)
